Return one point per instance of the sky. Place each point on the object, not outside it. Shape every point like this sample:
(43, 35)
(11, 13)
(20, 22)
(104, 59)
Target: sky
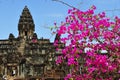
(46, 12)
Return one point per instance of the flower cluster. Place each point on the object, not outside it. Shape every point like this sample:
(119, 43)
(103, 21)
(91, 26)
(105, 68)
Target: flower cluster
(95, 36)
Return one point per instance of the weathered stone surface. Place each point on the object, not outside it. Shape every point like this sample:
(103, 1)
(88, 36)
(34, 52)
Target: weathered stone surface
(27, 56)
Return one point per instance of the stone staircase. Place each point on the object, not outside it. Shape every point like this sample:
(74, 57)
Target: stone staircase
(21, 47)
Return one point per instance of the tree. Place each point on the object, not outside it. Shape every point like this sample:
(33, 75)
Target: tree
(95, 36)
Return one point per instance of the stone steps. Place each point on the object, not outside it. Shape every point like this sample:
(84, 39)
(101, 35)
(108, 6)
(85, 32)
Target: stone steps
(21, 48)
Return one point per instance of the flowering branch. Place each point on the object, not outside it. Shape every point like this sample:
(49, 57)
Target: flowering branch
(82, 29)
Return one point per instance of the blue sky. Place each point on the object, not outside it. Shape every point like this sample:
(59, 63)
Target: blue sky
(46, 12)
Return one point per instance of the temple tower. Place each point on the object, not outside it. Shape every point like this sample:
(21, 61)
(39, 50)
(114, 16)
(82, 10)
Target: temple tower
(26, 24)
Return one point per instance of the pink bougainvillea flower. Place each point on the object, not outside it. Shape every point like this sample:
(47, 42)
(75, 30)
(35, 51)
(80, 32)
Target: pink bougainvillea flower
(93, 42)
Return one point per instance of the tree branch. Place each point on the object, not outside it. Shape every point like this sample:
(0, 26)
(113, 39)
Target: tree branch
(65, 4)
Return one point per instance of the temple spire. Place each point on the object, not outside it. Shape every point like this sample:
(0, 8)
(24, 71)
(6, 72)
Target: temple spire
(26, 24)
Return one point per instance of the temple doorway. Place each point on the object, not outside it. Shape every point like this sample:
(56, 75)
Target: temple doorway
(25, 33)
(12, 70)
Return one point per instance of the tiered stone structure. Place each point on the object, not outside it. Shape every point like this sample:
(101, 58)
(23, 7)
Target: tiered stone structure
(27, 56)
(26, 26)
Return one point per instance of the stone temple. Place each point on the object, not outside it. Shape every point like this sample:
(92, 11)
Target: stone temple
(27, 56)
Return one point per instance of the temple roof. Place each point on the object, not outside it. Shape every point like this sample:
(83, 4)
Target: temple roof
(26, 12)
(26, 18)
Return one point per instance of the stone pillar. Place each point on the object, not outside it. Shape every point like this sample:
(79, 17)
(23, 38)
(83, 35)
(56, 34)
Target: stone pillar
(18, 71)
(1, 69)
(31, 70)
(44, 70)
(5, 70)
(23, 70)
